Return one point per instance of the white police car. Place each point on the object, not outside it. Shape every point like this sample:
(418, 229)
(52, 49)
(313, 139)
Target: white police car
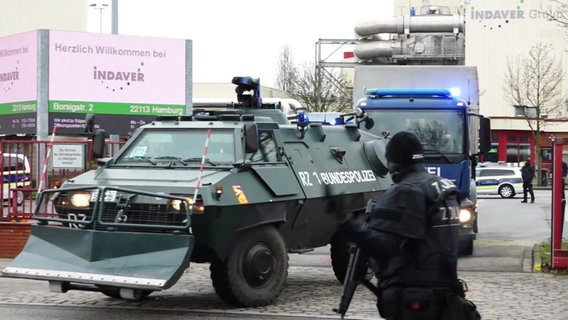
(504, 181)
(15, 171)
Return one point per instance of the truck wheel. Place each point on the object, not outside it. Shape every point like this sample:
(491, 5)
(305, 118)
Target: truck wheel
(339, 253)
(255, 271)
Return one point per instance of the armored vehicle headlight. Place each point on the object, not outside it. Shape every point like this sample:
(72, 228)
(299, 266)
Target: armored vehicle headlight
(176, 204)
(80, 199)
(465, 215)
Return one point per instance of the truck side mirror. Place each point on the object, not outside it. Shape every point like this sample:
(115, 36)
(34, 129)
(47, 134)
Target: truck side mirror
(484, 135)
(99, 143)
(251, 137)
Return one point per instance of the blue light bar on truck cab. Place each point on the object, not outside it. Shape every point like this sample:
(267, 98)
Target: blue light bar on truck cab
(409, 93)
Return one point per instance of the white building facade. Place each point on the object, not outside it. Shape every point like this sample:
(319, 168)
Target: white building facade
(17, 16)
(496, 32)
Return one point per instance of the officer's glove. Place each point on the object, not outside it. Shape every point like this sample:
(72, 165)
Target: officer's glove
(370, 207)
(335, 206)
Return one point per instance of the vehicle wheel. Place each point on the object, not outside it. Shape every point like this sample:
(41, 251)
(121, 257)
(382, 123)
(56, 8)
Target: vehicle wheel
(114, 292)
(506, 191)
(339, 253)
(255, 271)
(20, 197)
(466, 247)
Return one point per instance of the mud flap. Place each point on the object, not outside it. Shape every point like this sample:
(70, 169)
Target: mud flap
(149, 261)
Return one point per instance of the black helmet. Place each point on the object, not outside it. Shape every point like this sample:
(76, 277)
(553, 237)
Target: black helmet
(404, 148)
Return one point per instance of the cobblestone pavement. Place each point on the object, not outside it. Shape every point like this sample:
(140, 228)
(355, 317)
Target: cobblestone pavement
(312, 292)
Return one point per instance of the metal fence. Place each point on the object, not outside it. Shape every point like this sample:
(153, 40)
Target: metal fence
(31, 166)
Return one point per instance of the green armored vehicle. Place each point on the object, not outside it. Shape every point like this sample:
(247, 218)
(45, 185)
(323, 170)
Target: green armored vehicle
(238, 189)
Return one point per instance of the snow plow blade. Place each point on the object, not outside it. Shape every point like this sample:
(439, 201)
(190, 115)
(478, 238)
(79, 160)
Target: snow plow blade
(145, 261)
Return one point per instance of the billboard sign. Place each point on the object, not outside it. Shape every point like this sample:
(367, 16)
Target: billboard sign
(125, 80)
(18, 83)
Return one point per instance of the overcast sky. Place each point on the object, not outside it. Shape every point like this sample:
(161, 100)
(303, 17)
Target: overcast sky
(233, 38)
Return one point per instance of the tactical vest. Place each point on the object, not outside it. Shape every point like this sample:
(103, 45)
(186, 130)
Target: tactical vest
(422, 208)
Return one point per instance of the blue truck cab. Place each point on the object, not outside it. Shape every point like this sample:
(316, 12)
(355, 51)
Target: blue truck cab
(452, 136)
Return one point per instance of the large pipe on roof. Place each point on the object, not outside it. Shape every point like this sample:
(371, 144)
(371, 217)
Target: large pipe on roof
(374, 49)
(411, 24)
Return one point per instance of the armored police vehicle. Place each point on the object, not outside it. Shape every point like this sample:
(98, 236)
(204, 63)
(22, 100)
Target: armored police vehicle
(238, 189)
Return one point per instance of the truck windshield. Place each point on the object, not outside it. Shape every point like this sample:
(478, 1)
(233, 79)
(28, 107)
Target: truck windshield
(439, 131)
(180, 146)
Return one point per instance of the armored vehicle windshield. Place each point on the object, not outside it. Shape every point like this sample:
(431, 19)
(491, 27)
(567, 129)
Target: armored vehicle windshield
(156, 146)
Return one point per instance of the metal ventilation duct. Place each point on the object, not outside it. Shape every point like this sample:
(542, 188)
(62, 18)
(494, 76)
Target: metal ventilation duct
(432, 38)
(411, 24)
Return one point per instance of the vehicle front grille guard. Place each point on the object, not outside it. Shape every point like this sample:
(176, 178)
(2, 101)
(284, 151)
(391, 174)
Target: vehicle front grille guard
(113, 209)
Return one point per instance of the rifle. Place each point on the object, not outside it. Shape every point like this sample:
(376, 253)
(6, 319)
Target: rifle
(355, 275)
(358, 261)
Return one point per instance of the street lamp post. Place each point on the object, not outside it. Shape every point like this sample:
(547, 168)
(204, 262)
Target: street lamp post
(100, 7)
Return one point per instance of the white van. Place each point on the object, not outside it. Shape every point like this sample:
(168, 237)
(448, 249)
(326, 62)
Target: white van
(15, 174)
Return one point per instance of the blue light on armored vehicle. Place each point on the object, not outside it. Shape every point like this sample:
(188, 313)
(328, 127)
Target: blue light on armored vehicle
(303, 119)
(330, 118)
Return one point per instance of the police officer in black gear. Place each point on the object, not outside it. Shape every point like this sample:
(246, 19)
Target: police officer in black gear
(411, 236)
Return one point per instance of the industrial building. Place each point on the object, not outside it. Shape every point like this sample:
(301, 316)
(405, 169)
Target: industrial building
(487, 35)
(494, 33)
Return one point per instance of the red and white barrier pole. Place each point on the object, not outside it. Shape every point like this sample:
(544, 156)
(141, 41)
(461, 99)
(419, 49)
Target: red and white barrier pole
(201, 167)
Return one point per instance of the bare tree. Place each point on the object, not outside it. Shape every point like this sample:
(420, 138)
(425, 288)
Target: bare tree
(318, 93)
(309, 85)
(556, 11)
(434, 134)
(533, 85)
(287, 71)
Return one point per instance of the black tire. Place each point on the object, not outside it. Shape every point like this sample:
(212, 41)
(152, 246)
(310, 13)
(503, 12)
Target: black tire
(114, 292)
(506, 191)
(20, 197)
(339, 253)
(466, 247)
(255, 271)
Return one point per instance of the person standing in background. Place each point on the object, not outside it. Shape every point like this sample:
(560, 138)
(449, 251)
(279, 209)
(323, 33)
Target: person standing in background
(527, 173)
